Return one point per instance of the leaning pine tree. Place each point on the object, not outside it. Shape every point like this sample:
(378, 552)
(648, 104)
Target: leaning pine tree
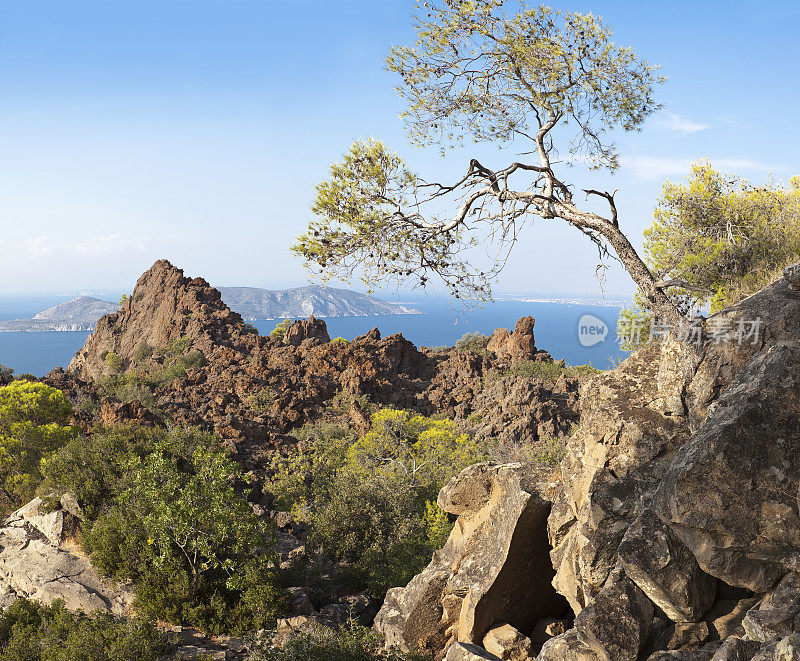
(475, 73)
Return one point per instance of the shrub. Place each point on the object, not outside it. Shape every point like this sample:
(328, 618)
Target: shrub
(32, 632)
(476, 342)
(6, 374)
(279, 331)
(723, 235)
(351, 643)
(369, 500)
(114, 362)
(340, 340)
(547, 371)
(171, 519)
(550, 450)
(141, 353)
(33, 420)
(261, 401)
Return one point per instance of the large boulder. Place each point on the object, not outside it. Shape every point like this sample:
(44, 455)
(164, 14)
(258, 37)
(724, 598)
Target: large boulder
(618, 621)
(494, 568)
(36, 563)
(656, 559)
(731, 494)
(307, 329)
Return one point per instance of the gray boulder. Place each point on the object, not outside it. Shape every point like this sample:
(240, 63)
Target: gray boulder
(494, 568)
(34, 564)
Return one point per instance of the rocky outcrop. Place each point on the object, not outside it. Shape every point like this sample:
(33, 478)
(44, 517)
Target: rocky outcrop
(676, 533)
(253, 390)
(517, 346)
(492, 571)
(38, 562)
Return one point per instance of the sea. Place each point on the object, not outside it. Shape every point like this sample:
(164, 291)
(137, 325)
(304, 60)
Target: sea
(579, 331)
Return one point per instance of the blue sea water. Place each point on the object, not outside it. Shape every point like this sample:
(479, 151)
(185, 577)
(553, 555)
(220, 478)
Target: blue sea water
(556, 330)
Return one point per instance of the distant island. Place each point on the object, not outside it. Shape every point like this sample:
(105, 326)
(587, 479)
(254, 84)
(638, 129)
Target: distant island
(82, 313)
(78, 314)
(254, 303)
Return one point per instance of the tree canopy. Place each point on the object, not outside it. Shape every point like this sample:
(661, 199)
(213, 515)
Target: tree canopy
(544, 81)
(722, 237)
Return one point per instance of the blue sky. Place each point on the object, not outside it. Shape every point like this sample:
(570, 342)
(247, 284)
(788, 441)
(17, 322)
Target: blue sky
(195, 131)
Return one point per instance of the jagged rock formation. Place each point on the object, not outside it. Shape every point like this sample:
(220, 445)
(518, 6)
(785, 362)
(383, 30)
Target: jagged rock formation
(518, 345)
(488, 573)
(254, 390)
(677, 532)
(37, 561)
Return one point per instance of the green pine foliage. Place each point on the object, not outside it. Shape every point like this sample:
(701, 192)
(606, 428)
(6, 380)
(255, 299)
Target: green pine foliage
(33, 424)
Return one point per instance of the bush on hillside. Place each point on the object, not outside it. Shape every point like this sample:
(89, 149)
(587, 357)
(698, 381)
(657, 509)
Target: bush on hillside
(32, 632)
(163, 509)
(371, 501)
(33, 424)
(476, 342)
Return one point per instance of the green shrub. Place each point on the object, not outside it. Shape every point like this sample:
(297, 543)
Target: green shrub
(171, 519)
(32, 632)
(6, 374)
(114, 362)
(550, 450)
(33, 424)
(261, 401)
(141, 353)
(279, 331)
(340, 340)
(369, 500)
(476, 342)
(547, 371)
(350, 643)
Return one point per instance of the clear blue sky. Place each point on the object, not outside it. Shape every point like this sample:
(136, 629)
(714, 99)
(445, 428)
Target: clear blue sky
(196, 130)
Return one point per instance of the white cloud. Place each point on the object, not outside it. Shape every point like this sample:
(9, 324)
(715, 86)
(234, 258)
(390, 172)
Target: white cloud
(654, 167)
(679, 124)
(38, 246)
(42, 246)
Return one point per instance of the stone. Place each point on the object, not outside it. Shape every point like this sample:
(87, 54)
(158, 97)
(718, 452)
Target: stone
(493, 569)
(778, 614)
(731, 493)
(726, 615)
(617, 622)
(468, 652)
(661, 565)
(736, 649)
(792, 275)
(306, 329)
(508, 644)
(567, 647)
(518, 345)
(787, 649)
(549, 628)
(34, 566)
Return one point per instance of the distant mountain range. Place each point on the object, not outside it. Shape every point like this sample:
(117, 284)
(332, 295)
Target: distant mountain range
(253, 303)
(79, 314)
(82, 313)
